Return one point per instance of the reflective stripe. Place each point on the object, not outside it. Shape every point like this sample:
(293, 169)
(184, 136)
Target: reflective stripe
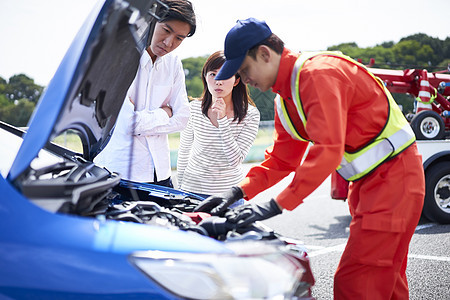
(402, 136)
(378, 153)
(365, 161)
(296, 88)
(425, 94)
(428, 95)
(396, 136)
(424, 83)
(286, 122)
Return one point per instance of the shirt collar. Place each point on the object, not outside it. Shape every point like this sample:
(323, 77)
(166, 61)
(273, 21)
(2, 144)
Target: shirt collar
(282, 85)
(145, 59)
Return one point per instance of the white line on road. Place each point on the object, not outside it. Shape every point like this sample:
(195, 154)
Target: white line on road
(318, 250)
(424, 226)
(429, 257)
(326, 250)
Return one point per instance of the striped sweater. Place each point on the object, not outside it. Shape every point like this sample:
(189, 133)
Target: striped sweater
(210, 158)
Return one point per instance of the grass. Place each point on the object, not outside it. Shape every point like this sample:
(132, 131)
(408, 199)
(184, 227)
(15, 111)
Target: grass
(70, 140)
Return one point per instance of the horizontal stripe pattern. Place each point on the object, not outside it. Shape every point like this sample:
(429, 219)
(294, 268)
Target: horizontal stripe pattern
(210, 158)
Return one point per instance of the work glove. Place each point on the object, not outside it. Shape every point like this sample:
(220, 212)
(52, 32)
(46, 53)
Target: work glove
(247, 214)
(218, 204)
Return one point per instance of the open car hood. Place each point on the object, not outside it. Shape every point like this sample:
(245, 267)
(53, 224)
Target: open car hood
(88, 88)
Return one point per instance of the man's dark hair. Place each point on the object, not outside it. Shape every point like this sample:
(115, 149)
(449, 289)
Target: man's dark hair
(181, 10)
(273, 42)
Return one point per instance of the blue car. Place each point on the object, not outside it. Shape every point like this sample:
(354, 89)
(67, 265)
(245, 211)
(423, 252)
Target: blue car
(73, 230)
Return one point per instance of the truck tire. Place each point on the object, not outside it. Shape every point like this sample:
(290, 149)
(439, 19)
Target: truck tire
(428, 125)
(437, 196)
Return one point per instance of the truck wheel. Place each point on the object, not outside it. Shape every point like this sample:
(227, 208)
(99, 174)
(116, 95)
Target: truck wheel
(437, 197)
(428, 125)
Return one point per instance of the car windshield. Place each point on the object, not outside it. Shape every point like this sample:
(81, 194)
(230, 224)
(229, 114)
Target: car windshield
(8, 149)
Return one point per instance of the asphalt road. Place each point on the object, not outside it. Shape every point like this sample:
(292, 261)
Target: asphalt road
(321, 223)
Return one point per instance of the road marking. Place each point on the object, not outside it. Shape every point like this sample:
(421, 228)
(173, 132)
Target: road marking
(311, 247)
(320, 250)
(325, 250)
(429, 257)
(424, 226)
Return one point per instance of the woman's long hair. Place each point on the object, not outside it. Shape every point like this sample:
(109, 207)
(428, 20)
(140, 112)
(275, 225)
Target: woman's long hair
(240, 95)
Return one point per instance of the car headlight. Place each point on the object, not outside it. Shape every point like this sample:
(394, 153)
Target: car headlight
(250, 272)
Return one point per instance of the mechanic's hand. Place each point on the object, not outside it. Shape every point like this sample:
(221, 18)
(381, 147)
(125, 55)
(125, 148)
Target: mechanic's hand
(247, 214)
(217, 204)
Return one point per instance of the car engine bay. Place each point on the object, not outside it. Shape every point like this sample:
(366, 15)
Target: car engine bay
(79, 187)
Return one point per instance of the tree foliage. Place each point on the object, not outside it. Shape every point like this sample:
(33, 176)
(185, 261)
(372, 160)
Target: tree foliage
(414, 51)
(18, 98)
(17, 113)
(193, 69)
(264, 102)
(21, 86)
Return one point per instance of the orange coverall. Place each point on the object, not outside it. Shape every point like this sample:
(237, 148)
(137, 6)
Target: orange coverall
(345, 109)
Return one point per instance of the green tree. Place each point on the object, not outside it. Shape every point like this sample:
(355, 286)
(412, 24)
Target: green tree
(389, 44)
(446, 48)
(405, 101)
(413, 54)
(264, 102)
(414, 51)
(17, 113)
(193, 70)
(4, 101)
(350, 49)
(3, 84)
(194, 87)
(436, 45)
(21, 86)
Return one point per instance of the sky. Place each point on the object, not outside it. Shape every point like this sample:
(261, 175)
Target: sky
(35, 34)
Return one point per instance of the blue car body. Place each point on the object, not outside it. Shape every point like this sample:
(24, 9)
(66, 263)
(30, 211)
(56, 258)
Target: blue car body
(46, 255)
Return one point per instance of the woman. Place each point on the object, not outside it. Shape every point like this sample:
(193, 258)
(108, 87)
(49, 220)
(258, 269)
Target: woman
(221, 130)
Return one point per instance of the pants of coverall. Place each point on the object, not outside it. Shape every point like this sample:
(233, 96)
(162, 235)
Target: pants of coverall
(385, 207)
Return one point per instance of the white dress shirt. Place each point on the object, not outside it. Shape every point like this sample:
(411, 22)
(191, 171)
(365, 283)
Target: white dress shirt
(139, 143)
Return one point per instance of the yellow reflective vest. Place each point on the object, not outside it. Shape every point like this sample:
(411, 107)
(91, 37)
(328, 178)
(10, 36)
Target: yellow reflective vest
(395, 137)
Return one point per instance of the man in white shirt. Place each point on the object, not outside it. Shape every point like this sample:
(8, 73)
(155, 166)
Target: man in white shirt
(156, 104)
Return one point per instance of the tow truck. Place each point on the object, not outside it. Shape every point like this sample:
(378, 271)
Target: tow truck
(430, 121)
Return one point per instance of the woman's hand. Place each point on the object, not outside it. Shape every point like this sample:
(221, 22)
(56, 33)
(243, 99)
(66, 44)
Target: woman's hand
(219, 107)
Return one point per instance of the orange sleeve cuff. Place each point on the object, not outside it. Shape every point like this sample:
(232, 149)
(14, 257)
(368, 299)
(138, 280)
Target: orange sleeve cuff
(287, 199)
(249, 189)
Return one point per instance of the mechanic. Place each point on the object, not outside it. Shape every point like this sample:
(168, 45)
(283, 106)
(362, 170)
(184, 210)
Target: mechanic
(354, 126)
(156, 104)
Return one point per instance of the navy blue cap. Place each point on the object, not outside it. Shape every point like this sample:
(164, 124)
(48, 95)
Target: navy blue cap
(242, 37)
